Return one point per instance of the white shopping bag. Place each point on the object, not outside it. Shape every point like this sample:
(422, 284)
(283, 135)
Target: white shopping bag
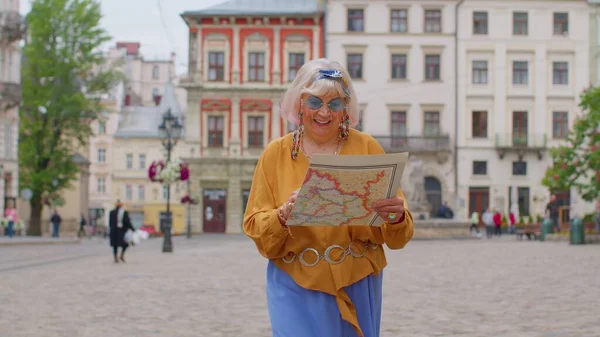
(128, 237)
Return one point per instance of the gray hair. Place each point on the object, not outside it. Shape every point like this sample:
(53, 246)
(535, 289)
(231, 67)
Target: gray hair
(303, 83)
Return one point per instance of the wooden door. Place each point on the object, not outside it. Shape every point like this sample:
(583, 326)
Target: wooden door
(214, 212)
(479, 201)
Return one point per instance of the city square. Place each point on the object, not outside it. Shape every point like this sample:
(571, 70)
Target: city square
(214, 286)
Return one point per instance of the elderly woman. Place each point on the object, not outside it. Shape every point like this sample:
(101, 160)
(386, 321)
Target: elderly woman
(320, 299)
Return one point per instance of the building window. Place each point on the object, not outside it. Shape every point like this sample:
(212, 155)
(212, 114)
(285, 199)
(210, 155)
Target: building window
(356, 20)
(165, 192)
(215, 131)
(561, 23)
(480, 72)
(398, 128)
(255, 131)
(101, 156)
(479, 167)
(296, 60)
(141, 192)
(520, 72)
(359, 125)
(520, 128)
(399, 21)
(560, 124)
(433, 21)
(355, 65)
(399, 66)
(256, 67)
(480, 23)
(101, 185)
(155, 72)
(480, 128)
(560, 73)
(129, 160)
(432, 67)
(216, 66)
(520, 23)
(142, 161)
(128, 192)
(519, 168)
(101, 127)
(432, 124)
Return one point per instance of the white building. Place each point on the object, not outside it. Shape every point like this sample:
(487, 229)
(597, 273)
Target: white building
(521, 67)
(594, 41)
(401, 57)
(11, 32)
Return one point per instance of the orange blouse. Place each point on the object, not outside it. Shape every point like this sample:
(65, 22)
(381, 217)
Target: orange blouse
(275, 178)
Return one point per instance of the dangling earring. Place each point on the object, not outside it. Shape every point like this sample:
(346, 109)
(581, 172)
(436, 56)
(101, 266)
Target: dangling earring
(344, 126)
(297, 137)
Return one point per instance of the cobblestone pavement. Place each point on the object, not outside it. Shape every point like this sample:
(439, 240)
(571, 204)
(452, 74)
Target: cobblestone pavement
(213, 286)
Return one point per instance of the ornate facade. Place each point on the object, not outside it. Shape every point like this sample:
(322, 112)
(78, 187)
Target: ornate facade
(242, 56)
(12, 30)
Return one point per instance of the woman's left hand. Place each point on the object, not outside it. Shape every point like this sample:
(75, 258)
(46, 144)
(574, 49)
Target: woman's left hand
(391, 210)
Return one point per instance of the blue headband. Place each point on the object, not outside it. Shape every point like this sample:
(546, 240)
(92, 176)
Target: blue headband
(334, 75)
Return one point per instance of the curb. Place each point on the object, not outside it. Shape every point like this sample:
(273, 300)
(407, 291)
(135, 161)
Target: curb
(37, 241)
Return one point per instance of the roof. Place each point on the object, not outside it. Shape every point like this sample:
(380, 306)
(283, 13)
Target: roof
(143, 121)
(78, 158)
(131, 48)
(259, 7)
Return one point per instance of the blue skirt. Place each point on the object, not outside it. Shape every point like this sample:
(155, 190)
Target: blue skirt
(298, 312)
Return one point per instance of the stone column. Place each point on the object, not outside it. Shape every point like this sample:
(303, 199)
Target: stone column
(316, 43)
(235, 143)
(192, 131)
(275, 120)
(234, 198)
(196, 210)
(236, 56)
(276, 57)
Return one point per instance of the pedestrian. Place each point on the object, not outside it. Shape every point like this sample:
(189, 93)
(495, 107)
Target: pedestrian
(512, 222)
(119, 224)
(326, 297)
(488, 220)
(10, 213)
(596, 217)
(552, 211)
(498, 223)
(55, 220)
(82, 224)
(474, 223)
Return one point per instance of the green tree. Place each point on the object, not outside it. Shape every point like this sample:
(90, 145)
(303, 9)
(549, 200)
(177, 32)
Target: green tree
(63, 74)
(577, 162)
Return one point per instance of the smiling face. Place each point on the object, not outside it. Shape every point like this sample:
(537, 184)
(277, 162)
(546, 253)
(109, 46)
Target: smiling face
(322, 116)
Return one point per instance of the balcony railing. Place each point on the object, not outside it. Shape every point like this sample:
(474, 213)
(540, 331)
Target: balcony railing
(414, 144)
(521, 141)
(10, 95)
(12, 27)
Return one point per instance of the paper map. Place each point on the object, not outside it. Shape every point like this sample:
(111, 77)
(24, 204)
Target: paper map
(339, 190)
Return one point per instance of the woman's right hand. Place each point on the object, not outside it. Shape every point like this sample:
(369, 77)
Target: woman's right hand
(286, 209)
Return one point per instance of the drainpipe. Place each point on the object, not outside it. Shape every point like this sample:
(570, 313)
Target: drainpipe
(460, 2)
(323, 4)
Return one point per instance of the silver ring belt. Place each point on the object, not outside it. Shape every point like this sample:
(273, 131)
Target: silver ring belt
(350, 250)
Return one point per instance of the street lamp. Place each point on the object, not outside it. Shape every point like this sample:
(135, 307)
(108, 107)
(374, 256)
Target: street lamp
(170, 132)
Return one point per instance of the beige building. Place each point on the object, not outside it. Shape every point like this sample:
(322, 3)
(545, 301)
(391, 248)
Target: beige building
(401, 57)
(136, 144)
(146, 81)
(522, 65)
(11, 32)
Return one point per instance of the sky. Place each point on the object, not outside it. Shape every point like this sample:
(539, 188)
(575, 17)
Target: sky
(140, 21)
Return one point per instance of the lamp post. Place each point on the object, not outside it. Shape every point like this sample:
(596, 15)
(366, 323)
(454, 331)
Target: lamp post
(170, 132)
(189, 209)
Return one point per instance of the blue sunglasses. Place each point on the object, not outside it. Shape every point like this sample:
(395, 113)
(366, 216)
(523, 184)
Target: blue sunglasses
(335, 105)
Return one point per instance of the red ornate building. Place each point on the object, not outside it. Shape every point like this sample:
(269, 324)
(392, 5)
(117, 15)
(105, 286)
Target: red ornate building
(242, 56)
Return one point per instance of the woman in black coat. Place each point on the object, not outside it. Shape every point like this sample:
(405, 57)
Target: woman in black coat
(119, 224)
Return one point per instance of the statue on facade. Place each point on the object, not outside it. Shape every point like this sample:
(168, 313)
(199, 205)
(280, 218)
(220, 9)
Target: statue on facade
(417, 199)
